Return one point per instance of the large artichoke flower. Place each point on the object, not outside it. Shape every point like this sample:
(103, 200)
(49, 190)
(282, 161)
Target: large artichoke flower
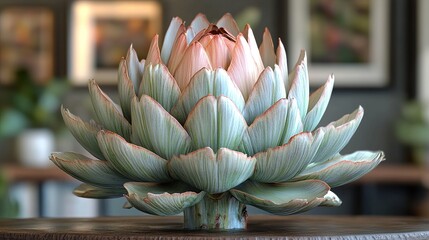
(209, 123)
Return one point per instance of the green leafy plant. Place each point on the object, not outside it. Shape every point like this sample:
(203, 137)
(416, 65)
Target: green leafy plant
(27, 104)
(210, 123)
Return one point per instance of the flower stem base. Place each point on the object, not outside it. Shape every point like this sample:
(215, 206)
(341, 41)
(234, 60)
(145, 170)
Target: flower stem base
(216, 212)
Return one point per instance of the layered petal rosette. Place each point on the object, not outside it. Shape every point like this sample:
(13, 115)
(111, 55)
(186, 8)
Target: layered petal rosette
(211, 122)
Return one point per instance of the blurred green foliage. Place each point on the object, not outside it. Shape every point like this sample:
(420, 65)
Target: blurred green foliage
(8, 208)
(412, 129)
(27, 104)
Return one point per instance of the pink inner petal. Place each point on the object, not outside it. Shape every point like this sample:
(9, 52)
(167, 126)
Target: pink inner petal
(194, 59)
(218, 52)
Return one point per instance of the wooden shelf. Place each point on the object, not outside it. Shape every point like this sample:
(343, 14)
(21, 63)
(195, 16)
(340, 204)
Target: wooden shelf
(384, 174)
(16, 173)
(397, 174)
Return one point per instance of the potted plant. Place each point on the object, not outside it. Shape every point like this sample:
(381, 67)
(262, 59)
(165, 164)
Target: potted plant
(29, 111)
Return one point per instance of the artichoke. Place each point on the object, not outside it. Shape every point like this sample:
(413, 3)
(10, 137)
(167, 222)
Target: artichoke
(210, 123)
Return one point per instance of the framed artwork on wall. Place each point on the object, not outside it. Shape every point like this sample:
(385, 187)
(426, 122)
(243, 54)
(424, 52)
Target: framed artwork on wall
(347, 38)
(26, 43)
(101, 33)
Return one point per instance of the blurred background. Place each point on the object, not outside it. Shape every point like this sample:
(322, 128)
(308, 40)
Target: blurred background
(378, 50)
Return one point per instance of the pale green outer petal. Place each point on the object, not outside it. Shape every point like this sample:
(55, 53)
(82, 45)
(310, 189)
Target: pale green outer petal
(243, 69)
(170, 37)
(135, 138)
(160, 85)
(273, 128)
(94, 172)
(342, 169)
(107, 113)
(178, 112)
(267, 49)
(299, 84)
(126, 89)
(134, 68)
(135, 162)
(331, 200)
(282, 163)
(281, 60)
(206, 82)
(282, 198)
(85, 133)
(88, 191)
(303, 206)
(228, 23)
(293, 121)
(157, 130)
(215, 123)
(267, 129)
(318, 103)
(267, 90)
(210, 172)
(337, 134)
(161, 199)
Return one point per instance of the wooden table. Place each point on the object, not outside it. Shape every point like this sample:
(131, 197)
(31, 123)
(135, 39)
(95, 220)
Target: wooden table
(273, 227)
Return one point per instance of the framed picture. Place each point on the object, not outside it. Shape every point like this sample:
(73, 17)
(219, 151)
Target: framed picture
(347, 38)
(102, 32)
(26, 43)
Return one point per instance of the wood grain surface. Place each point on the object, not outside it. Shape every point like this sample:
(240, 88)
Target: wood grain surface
(259, 227)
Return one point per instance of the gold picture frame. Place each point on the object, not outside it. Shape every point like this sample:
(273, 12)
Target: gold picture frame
(101, 33)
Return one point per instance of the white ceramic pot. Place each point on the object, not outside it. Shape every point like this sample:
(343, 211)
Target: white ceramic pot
(34, 147)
